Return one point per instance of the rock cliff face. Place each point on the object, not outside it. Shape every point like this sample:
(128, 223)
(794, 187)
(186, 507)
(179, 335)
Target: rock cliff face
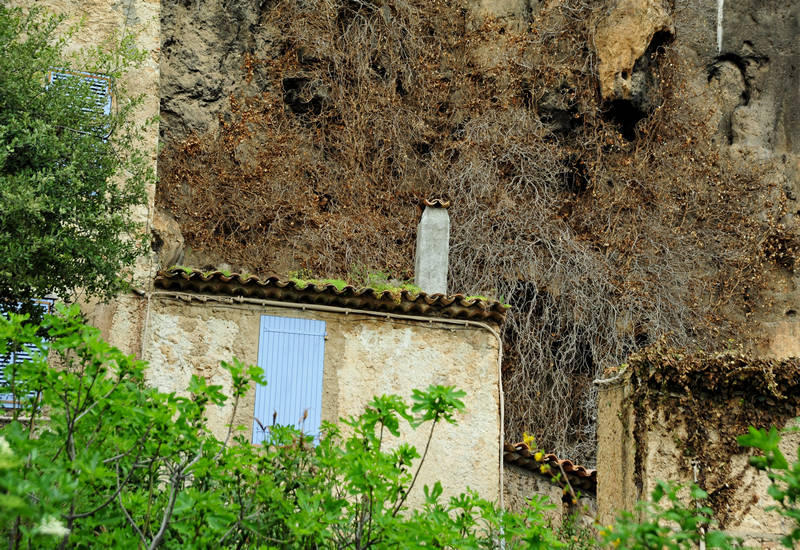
(747, 51)
(204, 48)
(620, 170)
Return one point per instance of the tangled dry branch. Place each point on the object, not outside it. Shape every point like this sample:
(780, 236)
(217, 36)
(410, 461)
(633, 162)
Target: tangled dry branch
(602, 233)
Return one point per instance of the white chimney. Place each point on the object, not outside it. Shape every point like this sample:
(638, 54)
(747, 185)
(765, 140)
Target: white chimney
(433, 244)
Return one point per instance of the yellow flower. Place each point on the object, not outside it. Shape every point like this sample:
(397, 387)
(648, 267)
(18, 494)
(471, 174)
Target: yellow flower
(529, 440)
(537, 456)
(544, 468)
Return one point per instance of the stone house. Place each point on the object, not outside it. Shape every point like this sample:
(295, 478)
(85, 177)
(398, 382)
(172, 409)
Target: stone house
(676, 418)
(326, 352)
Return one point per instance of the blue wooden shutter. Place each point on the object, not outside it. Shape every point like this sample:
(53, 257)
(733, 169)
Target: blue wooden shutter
(291, 352)
(7, 399)
(99, 86)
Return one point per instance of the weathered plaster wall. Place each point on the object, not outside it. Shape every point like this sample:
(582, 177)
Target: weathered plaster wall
(738, 492)
(364, 356)
(743, 502)
(616, 488)
(519, 485)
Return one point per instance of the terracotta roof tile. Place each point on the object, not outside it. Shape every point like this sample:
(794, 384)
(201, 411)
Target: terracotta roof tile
(436, 203)
(455, 306)
(580, 478)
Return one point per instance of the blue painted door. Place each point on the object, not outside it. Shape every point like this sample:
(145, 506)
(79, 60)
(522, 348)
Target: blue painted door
(291, 351)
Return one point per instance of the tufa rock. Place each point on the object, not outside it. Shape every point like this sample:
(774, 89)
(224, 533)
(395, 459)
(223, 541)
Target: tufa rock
(166, 239)
(621, 39)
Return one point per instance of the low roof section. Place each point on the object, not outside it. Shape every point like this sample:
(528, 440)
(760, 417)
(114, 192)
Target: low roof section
(403, 302)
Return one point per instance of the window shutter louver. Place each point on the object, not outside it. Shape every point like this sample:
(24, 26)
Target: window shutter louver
(291, 352)
(7, 399)
(99, 85)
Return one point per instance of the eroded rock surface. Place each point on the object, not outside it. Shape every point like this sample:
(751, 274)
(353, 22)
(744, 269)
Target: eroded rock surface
(204, 50)
(621, 39)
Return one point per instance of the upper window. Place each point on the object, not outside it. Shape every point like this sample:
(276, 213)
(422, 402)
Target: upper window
(99, 85)
(99, 90)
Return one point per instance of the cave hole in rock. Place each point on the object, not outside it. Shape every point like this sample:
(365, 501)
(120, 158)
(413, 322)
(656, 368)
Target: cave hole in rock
(575, 177)
(399, 88)
(526, 92)
(625, 114)
(156, 242)
(422, 148)
(741, 64)
(645, 96)
(296, 96)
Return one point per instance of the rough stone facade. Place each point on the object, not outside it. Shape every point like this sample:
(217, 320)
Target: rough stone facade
(520, 485)
(364, 356)
(638, 446)
(102, 21)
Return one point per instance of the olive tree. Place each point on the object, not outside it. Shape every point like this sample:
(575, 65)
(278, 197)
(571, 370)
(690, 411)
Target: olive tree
(70, 166)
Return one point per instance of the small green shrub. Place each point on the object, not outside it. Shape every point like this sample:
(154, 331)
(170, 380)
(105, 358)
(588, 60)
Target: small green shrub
(576, 536)
(784, 477)
(667, 523)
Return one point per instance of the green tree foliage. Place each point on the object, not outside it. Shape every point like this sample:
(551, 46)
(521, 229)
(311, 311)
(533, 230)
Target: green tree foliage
(94, 458)
(668, 523)
(69, 173)
(784, 477)
(118, 465)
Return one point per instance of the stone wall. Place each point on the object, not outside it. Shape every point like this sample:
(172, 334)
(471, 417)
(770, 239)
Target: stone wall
(520, 485)
(102, 21)
(364, 356)
(640, 442)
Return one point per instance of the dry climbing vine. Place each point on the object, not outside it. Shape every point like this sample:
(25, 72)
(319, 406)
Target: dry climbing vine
(603, 231)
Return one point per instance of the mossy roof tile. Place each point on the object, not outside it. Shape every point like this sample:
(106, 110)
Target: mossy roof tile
(454, 306)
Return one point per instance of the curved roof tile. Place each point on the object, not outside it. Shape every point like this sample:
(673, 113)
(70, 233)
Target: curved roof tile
(455, 306)
(580, 477)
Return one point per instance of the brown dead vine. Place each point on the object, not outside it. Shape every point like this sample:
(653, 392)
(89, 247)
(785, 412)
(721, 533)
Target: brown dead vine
(601, 244)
